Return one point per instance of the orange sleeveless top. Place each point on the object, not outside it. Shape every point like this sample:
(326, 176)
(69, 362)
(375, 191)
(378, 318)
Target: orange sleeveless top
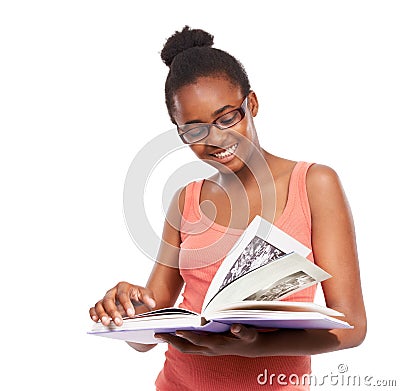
(203, 248)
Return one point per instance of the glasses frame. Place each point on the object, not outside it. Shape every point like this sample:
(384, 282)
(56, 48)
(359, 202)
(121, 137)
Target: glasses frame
(241, 109)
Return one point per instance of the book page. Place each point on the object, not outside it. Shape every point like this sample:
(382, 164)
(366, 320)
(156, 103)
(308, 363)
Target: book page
(260, 244)
(274, 280)
(258, 308)
(165, 311)
(284, 287)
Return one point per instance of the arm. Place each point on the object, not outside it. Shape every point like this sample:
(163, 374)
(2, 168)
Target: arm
(334, 248)
(165, 280)
(163, 286)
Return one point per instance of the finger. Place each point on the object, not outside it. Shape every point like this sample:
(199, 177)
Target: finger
(93, 315)
(121, 309)
(181, 344)
(110, 308)
(101, 313)
(125, 301)
(198, 339)
(248, 334)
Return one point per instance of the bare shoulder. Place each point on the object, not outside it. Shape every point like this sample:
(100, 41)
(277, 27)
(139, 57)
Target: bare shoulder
(324, 186)
(181, 192)
(178, 200)
(175, 210)
(320, 177)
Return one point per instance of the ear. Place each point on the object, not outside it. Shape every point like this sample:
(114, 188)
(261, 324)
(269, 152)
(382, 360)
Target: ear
(252, 103)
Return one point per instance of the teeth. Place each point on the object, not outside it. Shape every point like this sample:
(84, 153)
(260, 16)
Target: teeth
(229, 151)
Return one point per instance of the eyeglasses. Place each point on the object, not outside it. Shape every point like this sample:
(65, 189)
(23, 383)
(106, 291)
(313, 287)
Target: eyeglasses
(193, 133)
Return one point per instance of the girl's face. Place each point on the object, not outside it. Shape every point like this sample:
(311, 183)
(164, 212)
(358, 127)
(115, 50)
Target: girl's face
(207, 100)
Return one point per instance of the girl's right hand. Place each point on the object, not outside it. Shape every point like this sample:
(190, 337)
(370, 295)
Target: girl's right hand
(120, 301)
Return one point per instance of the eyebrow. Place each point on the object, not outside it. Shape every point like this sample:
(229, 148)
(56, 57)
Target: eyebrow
(214, 114)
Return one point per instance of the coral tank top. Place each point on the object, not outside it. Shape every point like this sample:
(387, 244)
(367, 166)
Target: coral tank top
(203, 248)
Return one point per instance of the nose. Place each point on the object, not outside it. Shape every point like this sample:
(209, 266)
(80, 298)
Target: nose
(216, 136)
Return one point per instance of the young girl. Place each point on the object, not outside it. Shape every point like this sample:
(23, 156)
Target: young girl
(209, 99)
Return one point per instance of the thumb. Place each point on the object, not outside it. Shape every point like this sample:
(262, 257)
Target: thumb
(146, 297)
(248, 334)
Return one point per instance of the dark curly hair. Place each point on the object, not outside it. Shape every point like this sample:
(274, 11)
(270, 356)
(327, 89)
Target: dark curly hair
(189, 55)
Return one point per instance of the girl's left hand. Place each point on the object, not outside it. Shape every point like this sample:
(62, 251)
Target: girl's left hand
(243, 341)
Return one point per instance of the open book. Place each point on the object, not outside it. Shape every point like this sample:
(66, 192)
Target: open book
(263, 267)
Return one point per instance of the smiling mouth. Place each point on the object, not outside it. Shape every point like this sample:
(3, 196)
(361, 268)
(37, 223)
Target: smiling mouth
(228, 152)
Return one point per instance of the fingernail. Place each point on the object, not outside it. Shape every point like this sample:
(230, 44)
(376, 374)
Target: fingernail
(151, 302)
(95, 318)
(104, 319)
(235, 328)
(118, 321)
(130, 312)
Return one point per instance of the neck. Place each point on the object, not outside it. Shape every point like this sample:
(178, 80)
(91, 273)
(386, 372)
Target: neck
(255, 171)
(251, 189)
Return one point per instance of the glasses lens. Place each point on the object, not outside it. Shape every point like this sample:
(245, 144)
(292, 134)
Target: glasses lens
(194, 134)
(229, 119)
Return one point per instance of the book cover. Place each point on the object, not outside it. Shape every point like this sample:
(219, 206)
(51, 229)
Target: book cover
(263, 267)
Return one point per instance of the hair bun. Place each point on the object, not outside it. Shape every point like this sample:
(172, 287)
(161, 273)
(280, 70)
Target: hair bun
(183, 40)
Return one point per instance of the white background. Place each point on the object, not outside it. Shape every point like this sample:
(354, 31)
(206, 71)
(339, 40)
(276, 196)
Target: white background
(81, 91)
